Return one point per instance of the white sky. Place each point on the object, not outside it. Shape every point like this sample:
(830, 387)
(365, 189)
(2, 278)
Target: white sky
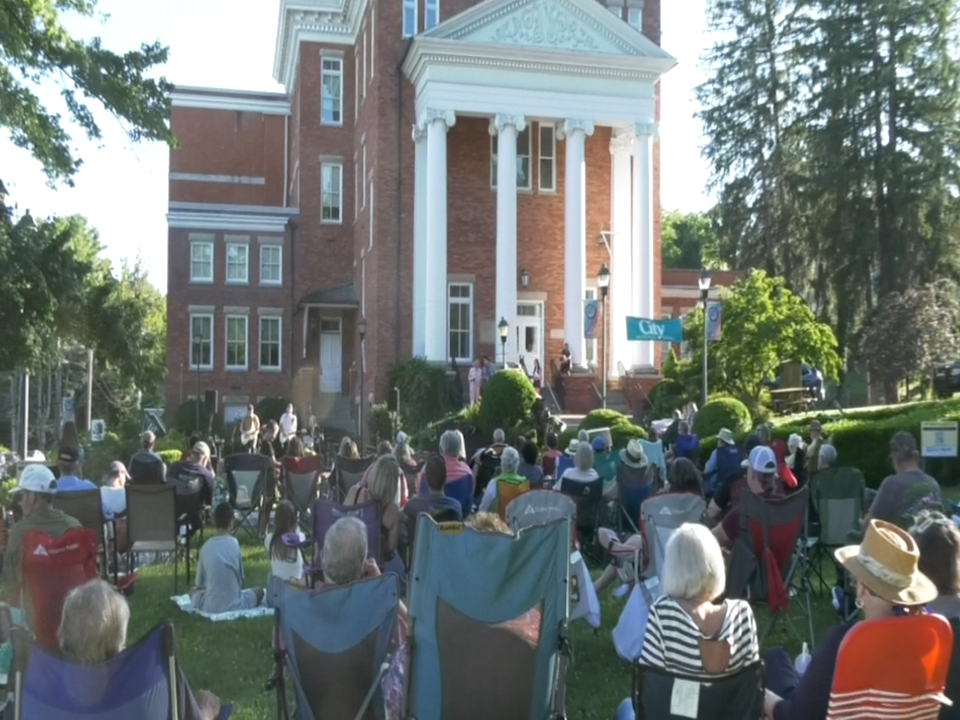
(229, 43)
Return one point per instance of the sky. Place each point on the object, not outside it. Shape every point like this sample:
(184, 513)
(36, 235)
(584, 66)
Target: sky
(122, 189)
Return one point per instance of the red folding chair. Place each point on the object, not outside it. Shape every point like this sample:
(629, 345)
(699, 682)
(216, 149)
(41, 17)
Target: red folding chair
(301, 481)
(892, 669)
(51, 568)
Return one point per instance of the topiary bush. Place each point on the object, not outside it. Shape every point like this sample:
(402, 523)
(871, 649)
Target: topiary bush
(507, 402)
(722, 412)
(622, 430)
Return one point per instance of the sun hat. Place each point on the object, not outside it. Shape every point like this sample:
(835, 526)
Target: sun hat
(762, 459)
(572, 447)
(886, 562)
(36, 478)
(633, 455)
(118, 468)
(726, 437)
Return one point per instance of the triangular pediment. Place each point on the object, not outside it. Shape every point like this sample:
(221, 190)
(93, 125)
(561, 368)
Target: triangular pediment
(582, 26)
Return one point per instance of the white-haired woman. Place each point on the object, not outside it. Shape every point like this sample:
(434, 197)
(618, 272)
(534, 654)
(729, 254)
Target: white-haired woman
(582, 470)
(93, 629)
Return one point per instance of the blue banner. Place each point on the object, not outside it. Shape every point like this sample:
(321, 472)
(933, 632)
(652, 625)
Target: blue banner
(714, 320)
(658, 330)
(591, 319)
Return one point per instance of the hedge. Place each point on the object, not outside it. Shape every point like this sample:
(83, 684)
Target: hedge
(862, 438)
(622, 430)
(722, 412)
(506, 403)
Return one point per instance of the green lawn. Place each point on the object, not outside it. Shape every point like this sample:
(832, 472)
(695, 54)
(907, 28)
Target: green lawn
(233, 660)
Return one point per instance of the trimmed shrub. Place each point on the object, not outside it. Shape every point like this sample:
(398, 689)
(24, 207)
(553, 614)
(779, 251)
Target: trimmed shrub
(507, 402)
(666, 396)
(170, 457)
(722, 412)
(622, 430)
(426, 393)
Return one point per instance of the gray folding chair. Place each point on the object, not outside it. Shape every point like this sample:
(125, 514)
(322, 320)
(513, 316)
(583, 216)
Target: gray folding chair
(152, 523)
(87, 507)
(247, 475)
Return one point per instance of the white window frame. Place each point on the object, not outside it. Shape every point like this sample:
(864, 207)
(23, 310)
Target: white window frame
(635, 18)
(194, 246)
(245, 278)
(551, 156)
(373, 40)
(227, 319)
(279, 320)
(336, 169)
(431, 7)
(270, 247)
(494, 139)
(363, 176)
(365, 76)
(356, 188)
(408, 12)
(208, 342)
(336, 102)
(461, 301)
(591, 347)
(370, 221)
(356, 86)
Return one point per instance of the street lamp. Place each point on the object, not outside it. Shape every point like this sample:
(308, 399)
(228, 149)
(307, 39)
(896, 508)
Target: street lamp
(361, 331)
(524, 278)
(504, 328)
(704, 283)
(603, 282)
(197, 355)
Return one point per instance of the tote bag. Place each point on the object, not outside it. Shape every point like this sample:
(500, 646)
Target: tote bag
(632, 625)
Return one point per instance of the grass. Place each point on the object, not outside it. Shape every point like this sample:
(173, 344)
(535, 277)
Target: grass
(234, 660)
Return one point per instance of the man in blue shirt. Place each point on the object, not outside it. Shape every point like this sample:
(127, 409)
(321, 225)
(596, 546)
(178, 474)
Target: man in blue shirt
(68, 463)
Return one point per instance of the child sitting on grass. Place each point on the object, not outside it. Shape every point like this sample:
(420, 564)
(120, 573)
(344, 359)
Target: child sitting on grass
(219, 586)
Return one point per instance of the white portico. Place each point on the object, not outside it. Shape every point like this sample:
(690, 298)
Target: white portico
(515, 61)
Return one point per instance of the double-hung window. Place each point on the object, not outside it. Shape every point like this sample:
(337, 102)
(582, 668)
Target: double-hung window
(236, 333)
(431, 14)
(237, 265)
(331, 83)
(271, 264)
(460, 321)
(548, 158)
(523, 159)
(201, 341)
(409, 18)
(331, 193)
(635, 18)
(201, 261)
(270, 342)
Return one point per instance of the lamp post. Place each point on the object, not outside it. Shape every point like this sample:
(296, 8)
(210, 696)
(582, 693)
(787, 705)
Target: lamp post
(603, 282)
(197, 359)
(704, 283)
(504, 328)
(361, 332)
(524, 278)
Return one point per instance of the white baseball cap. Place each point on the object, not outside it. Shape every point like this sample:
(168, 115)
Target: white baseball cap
(762, 459)
(36, 478)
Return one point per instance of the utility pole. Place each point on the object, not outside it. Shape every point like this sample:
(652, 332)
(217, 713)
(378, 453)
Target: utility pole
(89, 391)
(26, 416)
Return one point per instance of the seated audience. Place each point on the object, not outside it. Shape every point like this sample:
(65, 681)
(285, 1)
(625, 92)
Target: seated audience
(485, 461)
(633, 471)
(794, 461)
(762, 480)
(435, 503)
(723, 465)
(528, 465)
(506, 486)
(37, 487)
(113, 492)
(286, 562)
(93, 629)
(549, 460)
(938, 542)
(147, 457)
(196, 469)
(68, 464)
(294, 448)
(905, 494)
(582, 470)
(384, 488)
(219, 586)
(727, 496)
(451, 448)
(686, 445)
(811, 464)
(887, 553)
(348, 449)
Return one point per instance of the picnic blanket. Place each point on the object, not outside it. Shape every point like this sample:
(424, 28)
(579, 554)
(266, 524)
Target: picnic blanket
(183, 602)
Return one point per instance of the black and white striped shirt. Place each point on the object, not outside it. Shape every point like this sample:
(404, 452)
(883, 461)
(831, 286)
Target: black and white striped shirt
(672, 638)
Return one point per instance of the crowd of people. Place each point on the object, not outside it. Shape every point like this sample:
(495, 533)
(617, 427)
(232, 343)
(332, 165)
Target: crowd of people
(907, 562)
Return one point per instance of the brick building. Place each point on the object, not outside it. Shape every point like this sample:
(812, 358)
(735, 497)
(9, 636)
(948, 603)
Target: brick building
(433, 167)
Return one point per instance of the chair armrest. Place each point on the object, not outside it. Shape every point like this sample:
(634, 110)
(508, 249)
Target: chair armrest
(293, 540)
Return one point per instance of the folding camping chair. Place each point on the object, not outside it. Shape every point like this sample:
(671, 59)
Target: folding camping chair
(246, 475)
(142, 682)
(347, 472)
(487, 638)
(661, 695)
(152, 523)
(606, 464)
(688, 446)
(335, 642)
(144, 472)
(654, 453)
(661, 516)
(588, 497)
(325, 513)
(301, 482)
(768, 554)
(539, 507)
(837, 501)
(869, 682)
(87, 507)
(631, 496)
(489, 468)
(189, 510)
(50, 569)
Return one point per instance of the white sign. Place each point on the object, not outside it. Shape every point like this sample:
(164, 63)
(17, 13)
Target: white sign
(98, 430)
(938, 439)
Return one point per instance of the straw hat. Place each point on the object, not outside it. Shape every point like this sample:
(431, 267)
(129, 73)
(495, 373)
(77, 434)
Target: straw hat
(886, 562)
(726, 437)
(633, 455)
(572, 447)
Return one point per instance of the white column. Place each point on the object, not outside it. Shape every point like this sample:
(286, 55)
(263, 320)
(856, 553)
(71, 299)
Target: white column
(575, 133)
(435, 326)
(420, 243)
(507, 127)
(621, 282)
(642, 241)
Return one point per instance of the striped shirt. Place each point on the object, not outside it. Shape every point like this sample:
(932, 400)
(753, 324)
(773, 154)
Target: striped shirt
(672, 638)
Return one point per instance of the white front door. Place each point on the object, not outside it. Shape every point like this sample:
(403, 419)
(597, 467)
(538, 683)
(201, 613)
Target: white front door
(331, 355)
(530, 333)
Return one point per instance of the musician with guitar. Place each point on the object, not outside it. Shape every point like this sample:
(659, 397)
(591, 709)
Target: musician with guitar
(250, 430)
(288, 426)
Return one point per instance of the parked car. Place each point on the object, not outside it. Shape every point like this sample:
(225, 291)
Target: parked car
(946, 379)
(810, 378)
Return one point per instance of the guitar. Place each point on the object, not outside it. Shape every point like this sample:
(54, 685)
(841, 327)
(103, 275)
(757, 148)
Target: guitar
(248, 436)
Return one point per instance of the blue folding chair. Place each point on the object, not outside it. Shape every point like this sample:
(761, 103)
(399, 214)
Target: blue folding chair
(487, 638)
